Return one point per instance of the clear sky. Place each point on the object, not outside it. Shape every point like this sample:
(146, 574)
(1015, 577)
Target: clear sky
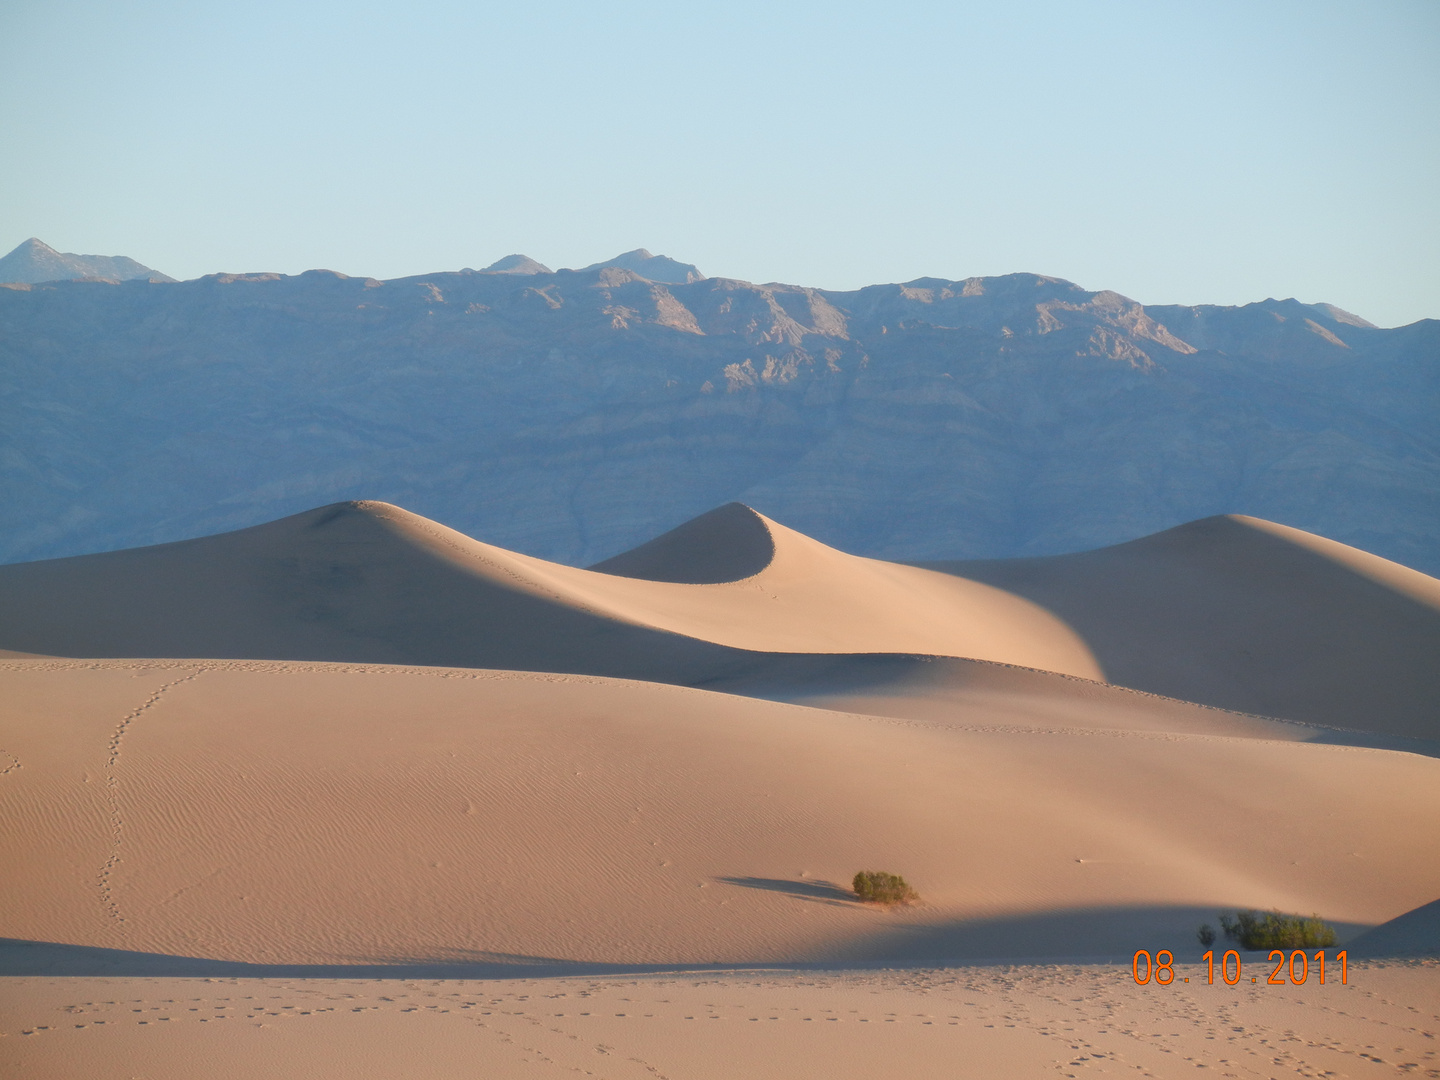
(1205, 152)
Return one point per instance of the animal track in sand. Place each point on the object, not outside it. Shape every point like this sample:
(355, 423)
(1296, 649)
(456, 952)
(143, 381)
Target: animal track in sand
(117, 824)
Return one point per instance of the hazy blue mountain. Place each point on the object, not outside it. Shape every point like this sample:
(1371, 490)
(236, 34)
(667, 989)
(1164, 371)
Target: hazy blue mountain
(35, 261)
(575, 414)
(652, 267)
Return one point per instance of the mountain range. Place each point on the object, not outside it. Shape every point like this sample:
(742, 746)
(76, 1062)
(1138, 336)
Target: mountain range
(572, 414)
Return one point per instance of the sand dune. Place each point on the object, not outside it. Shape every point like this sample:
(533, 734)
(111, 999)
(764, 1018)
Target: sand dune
(1249, 615)
(369, 582)
(301, 815)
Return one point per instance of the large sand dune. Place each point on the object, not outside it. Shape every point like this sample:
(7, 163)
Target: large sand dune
(369, 582)
(291, 814)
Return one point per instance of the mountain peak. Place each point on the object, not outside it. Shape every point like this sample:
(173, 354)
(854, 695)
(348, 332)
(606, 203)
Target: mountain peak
(516, 264)
(34, 261)
(657, 268)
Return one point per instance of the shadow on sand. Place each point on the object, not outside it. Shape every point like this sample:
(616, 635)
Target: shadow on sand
(52, 958)
(1084, 935)
(824, 891)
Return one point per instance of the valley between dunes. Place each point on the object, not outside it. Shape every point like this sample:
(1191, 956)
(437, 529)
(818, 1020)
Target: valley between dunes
(355, 745)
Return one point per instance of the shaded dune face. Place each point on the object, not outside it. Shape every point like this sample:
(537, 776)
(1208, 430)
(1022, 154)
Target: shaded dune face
(726, 544)
(1415, 933)
(1249, 615)
(352, 582)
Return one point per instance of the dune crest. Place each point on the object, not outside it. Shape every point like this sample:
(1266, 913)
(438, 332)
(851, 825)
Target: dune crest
(810, 597)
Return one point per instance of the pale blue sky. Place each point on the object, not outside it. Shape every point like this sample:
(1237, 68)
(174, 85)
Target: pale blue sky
(1209, 152)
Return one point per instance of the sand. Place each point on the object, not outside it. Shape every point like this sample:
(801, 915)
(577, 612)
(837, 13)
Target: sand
(627, 852)
(283, 813)
(973, 1023)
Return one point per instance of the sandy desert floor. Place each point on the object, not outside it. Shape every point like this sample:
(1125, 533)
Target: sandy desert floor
(971, 1023)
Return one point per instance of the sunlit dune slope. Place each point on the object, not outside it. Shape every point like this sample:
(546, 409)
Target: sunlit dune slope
(1250, 615)
(296, 813)
(371, 582)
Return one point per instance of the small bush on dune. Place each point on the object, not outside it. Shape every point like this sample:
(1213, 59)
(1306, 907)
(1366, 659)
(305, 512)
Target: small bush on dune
(1272, 930)
(1206, 934)
(878, 887)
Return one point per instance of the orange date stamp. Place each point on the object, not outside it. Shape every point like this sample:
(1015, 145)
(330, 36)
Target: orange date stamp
(1293, 969)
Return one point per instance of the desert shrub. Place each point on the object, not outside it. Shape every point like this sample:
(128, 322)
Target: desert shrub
(1272, 930)
(878, 887)
(1206, 935)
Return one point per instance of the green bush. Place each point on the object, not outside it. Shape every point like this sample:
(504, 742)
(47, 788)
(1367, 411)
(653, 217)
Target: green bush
(1272, 930)
(878, 887)
(1206, 935)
